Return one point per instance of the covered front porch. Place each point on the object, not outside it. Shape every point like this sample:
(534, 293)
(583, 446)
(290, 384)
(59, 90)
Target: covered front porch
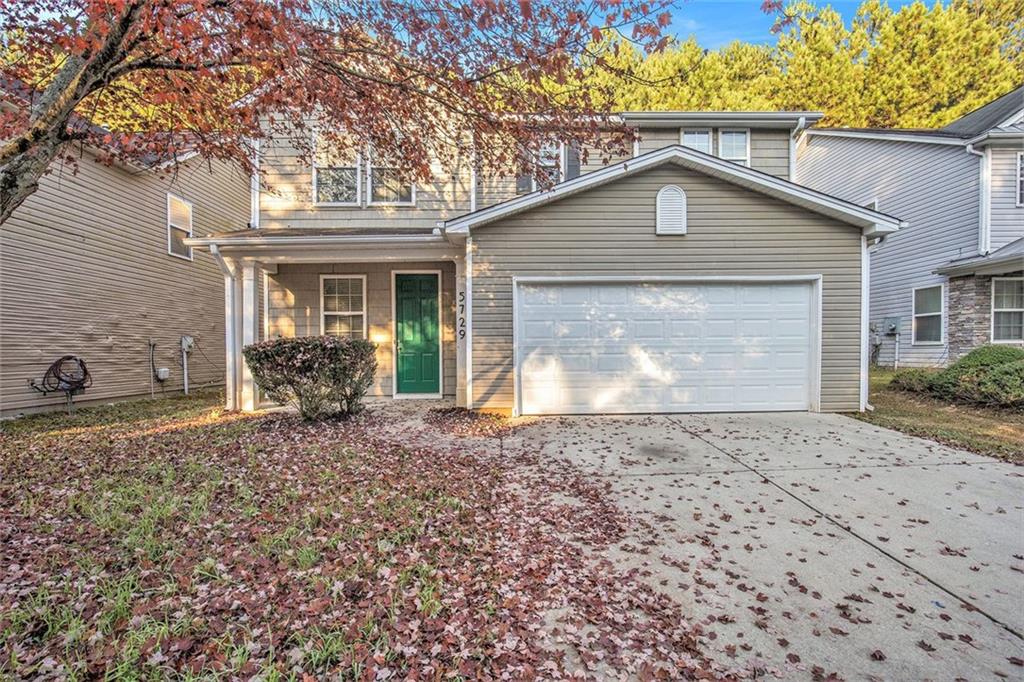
(404, 290)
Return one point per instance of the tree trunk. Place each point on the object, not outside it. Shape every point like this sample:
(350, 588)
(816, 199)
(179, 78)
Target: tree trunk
(19, 177)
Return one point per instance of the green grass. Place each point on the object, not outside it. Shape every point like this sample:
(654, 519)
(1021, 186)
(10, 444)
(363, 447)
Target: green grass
(986, 431)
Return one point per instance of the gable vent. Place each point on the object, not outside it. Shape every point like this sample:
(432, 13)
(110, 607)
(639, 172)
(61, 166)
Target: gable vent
(671, 211)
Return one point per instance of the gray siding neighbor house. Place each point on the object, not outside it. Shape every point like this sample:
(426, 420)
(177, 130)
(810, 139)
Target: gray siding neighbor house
(953, 279)
(691, 275)
(94, 265)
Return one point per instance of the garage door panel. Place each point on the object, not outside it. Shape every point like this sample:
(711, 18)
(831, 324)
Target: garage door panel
(665, 347)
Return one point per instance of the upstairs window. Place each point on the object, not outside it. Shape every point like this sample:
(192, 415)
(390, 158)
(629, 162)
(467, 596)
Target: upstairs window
(387, 188)
(1008, 310)
(179, 226)
(336, 179)
(697, 139)
(547, 168)
(927, 315)
(734, 145)
(343, 306)
(670, 211)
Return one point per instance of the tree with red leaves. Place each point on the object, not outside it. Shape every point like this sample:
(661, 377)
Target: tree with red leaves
(419, 81)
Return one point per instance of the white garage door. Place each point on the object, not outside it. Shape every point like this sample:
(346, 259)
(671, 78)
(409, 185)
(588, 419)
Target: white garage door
(630, 347)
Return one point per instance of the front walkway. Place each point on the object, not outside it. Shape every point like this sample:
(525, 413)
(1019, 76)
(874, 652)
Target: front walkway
(805, 543)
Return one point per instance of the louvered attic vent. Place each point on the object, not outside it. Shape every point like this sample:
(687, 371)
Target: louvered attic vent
(671, 210)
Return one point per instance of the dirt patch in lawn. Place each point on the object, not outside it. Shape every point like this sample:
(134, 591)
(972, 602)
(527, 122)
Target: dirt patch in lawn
(987, 431)
(157, 543)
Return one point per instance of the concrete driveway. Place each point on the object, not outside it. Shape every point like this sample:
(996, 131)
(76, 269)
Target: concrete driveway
(814, 544)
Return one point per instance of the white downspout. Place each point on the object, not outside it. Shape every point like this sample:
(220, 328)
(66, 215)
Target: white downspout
(984, 199)
(801, 124)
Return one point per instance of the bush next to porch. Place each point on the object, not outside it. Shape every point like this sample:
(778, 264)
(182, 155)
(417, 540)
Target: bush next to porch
(322, 376)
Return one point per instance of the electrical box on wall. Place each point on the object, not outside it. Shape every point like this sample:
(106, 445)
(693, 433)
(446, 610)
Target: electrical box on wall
(163, 374)
(891, 326)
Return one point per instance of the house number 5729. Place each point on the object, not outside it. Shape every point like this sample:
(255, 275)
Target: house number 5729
(462, 315)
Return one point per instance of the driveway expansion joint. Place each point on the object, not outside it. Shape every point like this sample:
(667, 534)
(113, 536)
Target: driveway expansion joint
(847, 528)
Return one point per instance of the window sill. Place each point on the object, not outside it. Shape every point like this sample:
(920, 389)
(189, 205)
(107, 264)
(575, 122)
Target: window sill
(1010, 342)
(190, 259)
(336, 204)
(927, 343)
(394, 204)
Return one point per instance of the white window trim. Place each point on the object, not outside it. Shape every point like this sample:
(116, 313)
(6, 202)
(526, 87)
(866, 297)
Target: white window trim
(941, 314)
(657, 212)
(170, 252)
(563, 164)
(709, 131)
(324, 314)
(1020, 171)
(394, 336)
(337, 204)
(992, 315)
(745, 131)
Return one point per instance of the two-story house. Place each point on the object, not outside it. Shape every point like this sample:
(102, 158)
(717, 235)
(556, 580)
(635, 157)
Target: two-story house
(954, 278)
(95, 265)
(691, 275)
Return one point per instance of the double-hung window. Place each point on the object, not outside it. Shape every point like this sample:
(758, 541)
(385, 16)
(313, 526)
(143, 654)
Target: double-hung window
(179, 226)
(734, 145)
(927, 313)
(336, 178)
(1008, 310)
(697, 139)
(343, 305)
(387, 188)
(546, 167)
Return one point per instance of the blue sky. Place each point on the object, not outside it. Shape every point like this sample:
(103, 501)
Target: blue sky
(718, 22)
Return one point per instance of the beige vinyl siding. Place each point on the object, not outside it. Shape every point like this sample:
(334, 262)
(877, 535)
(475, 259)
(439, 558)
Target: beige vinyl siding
(84, 270)
(769, 152)
(294, 309)
(609, 230)
(286, 200)
(1007, 223)
(652, 139)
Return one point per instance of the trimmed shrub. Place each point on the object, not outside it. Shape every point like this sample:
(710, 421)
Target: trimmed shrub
(960, 380)
(912, 379)
(999, 385)
(322, 376)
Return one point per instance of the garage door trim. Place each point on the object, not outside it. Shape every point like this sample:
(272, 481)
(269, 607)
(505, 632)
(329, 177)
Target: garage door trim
(814, 280)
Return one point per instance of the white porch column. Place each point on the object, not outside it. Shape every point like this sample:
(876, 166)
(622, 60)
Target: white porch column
(249, 332)
(461, 331)
(232, 303)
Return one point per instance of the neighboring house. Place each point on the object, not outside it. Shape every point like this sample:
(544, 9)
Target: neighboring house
(94, 264)
(690, 276)
(953, 279)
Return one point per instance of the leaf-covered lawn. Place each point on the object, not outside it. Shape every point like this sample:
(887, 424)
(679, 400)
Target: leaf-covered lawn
(169, 539)
(995, 432)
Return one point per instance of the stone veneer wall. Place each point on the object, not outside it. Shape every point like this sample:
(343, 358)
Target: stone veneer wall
(970, 313)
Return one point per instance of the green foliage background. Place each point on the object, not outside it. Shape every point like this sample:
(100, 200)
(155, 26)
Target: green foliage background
(917, 67)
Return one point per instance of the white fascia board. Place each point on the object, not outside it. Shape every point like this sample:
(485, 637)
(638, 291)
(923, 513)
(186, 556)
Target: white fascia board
(746, 119)
(890, 136)
(313, 240)
(993, 136)
(871, 222)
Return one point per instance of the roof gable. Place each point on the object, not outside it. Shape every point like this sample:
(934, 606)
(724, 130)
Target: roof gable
(996, 113)
(872, 223)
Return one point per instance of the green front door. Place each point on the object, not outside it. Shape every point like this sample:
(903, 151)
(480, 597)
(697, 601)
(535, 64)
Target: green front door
(417, 334)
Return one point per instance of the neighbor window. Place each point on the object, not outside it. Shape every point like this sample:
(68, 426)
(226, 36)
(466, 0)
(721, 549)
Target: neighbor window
(928, 314)
(179, 226)
(1020, 178)
(697, 139)
(386, 186)
(734, 145)
(335, 176)
(343, 306)
(1008, 310)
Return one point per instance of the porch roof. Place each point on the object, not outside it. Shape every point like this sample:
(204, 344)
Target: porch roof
(341, 244)
(1009, 258)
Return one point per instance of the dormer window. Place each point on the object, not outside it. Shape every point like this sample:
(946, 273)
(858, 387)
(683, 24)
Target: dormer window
(670, 211)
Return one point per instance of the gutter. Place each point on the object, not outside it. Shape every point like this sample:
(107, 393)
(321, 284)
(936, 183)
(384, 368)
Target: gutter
(322, 240)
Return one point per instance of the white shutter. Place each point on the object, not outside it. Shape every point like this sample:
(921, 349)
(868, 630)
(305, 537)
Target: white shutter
(671, 211)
